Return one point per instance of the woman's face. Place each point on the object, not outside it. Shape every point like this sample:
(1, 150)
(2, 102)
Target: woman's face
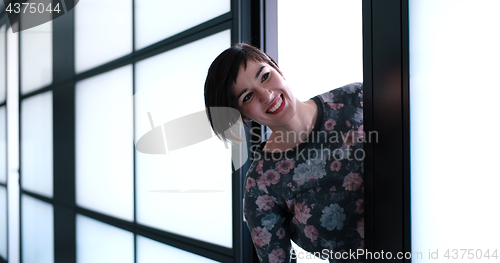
(263, 95)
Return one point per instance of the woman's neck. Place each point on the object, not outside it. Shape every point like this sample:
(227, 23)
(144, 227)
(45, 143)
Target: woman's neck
(296, 130)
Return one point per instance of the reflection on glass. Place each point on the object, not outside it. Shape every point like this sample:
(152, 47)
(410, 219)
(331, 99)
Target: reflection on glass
(330, 32)
(37, 230)
(454, 58)
(3, 145)
(3, 222)
(177, 16)
(3, 90)
(152, 251)
(99, 242)
(36, 56)
(103, 32)
(174, 189)
(104, 141)
(36, 144)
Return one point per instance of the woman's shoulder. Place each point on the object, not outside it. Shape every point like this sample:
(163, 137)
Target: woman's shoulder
(350, 94)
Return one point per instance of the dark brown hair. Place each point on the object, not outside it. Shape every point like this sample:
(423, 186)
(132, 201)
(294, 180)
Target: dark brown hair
(221, 77)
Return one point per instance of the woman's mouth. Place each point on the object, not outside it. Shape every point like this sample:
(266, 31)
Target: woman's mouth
(277, 106)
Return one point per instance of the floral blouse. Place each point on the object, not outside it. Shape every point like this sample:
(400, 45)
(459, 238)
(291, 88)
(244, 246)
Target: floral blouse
(312, 194)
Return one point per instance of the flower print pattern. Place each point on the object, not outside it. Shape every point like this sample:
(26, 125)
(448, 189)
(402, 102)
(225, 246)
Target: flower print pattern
(352, 181)
(327, 97)
(360, 207)
(266, 179)
(315, 199)
(259, 166)
(361, 134)
(311, 232)
(307, 171)
(333, 217)
(361, 227)
(336, 106)
(250, 183)
(330, 244)
(350, 139)
(277, 256)
(335, 166)
(269, 220)
(330, 124)
(281, 233)
(302, 213)
(261, 236)
(272, 175)
(265, 202)
(284, 166)
(350, 89)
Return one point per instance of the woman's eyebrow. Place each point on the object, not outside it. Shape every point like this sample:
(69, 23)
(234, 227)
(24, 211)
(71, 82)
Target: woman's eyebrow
(259, 71)
(238, 98)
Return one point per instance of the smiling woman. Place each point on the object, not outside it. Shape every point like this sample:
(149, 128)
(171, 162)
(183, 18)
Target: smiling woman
(303, 186)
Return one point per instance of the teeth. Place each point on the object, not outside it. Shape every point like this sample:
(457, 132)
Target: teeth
(278, 104)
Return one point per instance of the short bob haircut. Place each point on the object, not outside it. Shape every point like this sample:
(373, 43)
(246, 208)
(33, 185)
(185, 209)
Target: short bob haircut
(221, 77)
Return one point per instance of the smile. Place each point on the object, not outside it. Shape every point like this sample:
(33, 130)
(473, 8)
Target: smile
(276, 106)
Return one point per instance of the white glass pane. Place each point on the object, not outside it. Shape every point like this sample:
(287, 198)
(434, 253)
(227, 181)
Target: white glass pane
(37, 144)
(37, 230)
(192, 181)
(177, 16)
(104, 141)
(330, 34)
(13, 145)
(3, 222)
(454, 57)
(150, 251)
(3, 62)
(36, 55)
(3, 145)
(99, 242)
(103, 32)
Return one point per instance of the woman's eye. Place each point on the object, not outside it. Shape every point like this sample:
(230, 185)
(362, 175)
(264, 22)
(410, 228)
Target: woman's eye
(265, 76)
(247, 97)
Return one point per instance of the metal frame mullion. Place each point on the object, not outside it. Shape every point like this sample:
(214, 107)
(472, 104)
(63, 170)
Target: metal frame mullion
(387, 205)
(64, 160)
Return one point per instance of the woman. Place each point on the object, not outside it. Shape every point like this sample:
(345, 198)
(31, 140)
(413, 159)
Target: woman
(305, 182)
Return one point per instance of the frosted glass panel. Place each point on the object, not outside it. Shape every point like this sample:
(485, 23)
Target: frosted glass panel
(176, 16)
(104, 141)
(103, 32)
(150, 251)
(13, 147)
(3, 145)
(331, 33)
(37, 144)
(97, 242)
(3, 60)
(37, 230)
(187, 191)
(3, 222)
(36, 56)
(454, 58)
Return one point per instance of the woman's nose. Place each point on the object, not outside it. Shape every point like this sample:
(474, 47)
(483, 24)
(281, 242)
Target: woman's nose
(265, 96)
